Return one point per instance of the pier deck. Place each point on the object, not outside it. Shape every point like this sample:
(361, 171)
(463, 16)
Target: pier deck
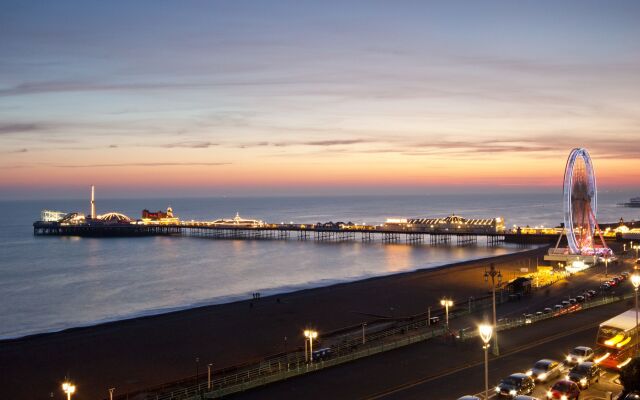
(287, 232)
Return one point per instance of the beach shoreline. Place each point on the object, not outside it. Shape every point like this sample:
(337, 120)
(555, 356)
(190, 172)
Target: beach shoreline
(145, 351)
(274, 293)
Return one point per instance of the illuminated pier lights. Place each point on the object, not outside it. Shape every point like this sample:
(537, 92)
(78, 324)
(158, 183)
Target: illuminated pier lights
(451, 224)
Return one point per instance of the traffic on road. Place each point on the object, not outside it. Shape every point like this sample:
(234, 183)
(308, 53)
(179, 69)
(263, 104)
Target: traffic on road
(583, 372)
(555, 379)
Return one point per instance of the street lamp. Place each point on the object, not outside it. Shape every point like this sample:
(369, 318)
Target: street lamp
(485, 331)
(69, 389)
(494, 273)
(111, 390)
(310, 334)
(197, 380)
(364, 338)
(446, 303)
(606, 266)
(635, 280)
(209, 376)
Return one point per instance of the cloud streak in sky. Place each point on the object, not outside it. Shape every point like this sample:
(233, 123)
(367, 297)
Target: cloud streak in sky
(149, 164)
(193, 144)
(8, 129)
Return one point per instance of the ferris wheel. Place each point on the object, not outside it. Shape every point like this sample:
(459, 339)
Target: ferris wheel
(580, 202)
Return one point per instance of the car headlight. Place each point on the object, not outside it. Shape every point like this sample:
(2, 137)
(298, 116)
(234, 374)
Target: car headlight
(583, 381)
(513, 392)
(529, 372)
(567, 377)
(498, 389)
(563, 397)
(579, 359)
(549, 394)
(568, 358)
(542, 376)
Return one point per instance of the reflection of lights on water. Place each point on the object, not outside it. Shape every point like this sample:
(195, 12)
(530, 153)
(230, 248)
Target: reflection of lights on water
(397, 257)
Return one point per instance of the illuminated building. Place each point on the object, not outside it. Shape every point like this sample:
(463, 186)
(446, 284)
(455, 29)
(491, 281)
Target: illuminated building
(159, 217)
(453, 223)
(52, 216)
(238, 221)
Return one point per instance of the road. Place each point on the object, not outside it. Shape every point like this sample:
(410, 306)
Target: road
(470, 380)
(437, 370)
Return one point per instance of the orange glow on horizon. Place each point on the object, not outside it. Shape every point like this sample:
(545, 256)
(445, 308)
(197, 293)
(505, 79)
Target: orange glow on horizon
(243, 176)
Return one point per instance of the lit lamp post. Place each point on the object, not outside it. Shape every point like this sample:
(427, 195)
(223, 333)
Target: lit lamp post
(606, 266)
(69, 389)
(635, 280)
(636, 247)
(209, 375)
(364, 338)
(197, 380)
(446, 303)
(494, 273)
(485, 331)
(309, 334)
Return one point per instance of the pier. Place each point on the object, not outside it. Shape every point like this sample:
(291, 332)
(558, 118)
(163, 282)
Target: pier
(301, 232)
(450, 230)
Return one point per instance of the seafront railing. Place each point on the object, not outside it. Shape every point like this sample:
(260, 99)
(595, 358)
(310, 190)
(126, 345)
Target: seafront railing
(352, 348)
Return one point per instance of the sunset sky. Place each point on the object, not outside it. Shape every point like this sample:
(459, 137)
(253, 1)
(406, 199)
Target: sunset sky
(298, 97)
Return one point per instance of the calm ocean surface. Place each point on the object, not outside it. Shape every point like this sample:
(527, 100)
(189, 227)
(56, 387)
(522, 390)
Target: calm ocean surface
(53, 283)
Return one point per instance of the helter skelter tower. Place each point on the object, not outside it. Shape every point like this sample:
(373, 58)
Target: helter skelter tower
(581, 205)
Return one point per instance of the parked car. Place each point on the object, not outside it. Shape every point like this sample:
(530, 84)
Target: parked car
(580, 299)
(547, 310)
(580, 354)
(545, 369)
(565, 303)
(539, 313)
(469, 398)
(625, 274)
(527, 318)
(321, 354)
(592, 292)
(584, 374)
(565, 390)
(573, 301)
(558, 307)
(514, 385)
(523, 397)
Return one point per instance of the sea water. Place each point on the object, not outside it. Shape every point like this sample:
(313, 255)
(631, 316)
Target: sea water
(53, 283)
